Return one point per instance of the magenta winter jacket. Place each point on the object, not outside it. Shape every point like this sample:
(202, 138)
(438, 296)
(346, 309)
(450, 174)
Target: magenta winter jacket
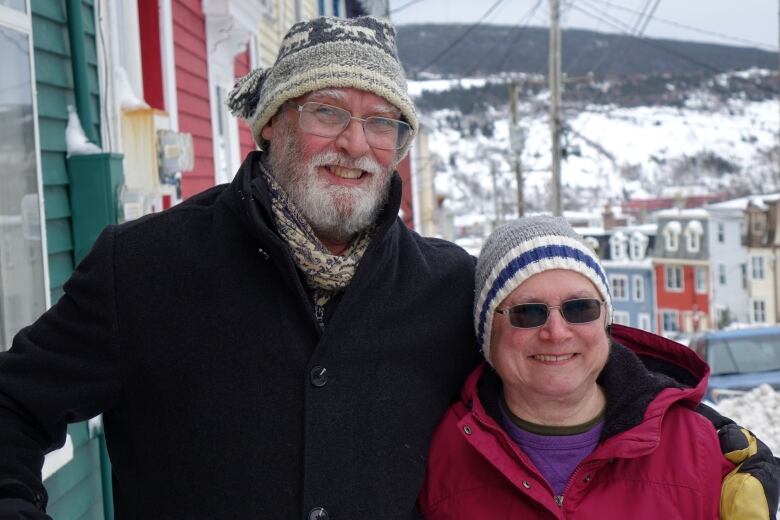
(657, 458)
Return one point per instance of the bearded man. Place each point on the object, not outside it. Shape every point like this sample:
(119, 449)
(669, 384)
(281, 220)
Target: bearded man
(280, 347)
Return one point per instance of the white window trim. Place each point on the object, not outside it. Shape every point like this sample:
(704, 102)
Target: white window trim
(666, 279)
(663, 312)
(644, 321)
(762, 264)
(638, 282)
(753, 302)
(621, 317)
(696, 271)
(627, 288)
(22, 22)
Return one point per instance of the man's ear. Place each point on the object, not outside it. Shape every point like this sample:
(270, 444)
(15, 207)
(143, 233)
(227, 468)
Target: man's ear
(267, 131)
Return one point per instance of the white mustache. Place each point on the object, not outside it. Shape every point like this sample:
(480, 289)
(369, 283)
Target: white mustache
(364, 163)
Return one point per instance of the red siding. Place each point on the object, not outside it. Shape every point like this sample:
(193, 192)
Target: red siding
(151, 54)
(686, 300)
(241, 68)
(192, 91)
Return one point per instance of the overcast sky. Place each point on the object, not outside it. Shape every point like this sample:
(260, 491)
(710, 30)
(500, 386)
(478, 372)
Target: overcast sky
(736, 22)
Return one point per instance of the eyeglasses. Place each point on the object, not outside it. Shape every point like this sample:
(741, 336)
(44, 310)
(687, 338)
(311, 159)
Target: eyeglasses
(533, 315)
(324, 120)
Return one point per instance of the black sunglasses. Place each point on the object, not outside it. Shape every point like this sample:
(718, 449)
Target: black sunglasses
(532, 315)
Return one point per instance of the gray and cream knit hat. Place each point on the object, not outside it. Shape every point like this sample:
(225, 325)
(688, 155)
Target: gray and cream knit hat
(326, 52)
(517, 251)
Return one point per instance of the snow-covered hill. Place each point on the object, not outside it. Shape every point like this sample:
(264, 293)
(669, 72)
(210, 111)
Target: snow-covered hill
(612, 153)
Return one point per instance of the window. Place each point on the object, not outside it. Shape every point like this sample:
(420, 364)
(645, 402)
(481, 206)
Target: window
(758, 314)
(701, 280)
(619, 283)
(638, 246)
(693, 233)
(670, 321)
(617, 246)
(23, 288)
(673, 278)
(638, 287)
(644, 322)
(672, 235)
(336, 7)
(743, 270)
(721, 232)
(721, 274)
(321, 7)
(621, 318)
(757, 267)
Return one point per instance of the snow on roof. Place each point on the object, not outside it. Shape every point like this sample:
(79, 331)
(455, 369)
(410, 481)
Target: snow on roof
(619, 236)
(683, 213)
(673, 226)
(742, 202)
(694, 226)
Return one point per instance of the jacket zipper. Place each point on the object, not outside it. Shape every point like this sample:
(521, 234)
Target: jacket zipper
(512, 447)
(559, 499)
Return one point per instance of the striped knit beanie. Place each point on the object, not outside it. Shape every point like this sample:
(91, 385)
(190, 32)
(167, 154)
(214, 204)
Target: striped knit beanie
(517, 251)
(326, 52)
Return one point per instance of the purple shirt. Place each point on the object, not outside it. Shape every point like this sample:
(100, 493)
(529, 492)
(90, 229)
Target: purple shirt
(555, 456)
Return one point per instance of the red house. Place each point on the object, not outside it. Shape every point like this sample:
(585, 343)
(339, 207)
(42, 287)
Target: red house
(192, 51)
(682, 271)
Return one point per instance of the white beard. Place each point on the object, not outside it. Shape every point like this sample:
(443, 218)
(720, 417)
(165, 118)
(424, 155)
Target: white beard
(334, 212)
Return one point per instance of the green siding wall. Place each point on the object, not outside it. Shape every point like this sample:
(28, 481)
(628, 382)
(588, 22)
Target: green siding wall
(54, 82)
(75, 491)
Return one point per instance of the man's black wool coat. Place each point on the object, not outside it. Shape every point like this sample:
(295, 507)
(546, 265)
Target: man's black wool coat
(192, 332)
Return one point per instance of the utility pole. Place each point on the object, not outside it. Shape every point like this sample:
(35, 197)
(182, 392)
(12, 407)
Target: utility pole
(555, 105)
(517, 143)
(497, 214)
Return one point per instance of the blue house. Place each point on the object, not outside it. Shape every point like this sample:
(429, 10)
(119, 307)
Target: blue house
(626, 255)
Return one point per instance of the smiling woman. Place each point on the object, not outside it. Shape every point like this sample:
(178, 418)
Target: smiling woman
(561, 420)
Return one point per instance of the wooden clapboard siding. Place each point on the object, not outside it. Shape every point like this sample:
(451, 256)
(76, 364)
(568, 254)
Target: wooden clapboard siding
(75, 490)
(192, 91)
(54, 82)
(245, 139)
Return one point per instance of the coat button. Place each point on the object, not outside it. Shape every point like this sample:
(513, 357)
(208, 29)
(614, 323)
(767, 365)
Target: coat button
(318, 513)
(319, 378)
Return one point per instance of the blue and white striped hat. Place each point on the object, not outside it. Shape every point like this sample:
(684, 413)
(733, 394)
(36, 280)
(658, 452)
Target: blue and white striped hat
(518, 250)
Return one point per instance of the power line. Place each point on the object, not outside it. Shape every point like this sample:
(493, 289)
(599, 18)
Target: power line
(522, 26)
(691, 28)
(461, 37)
(682, 56)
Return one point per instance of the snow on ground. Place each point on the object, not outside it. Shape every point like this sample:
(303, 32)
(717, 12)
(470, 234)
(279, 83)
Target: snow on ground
(757, 410)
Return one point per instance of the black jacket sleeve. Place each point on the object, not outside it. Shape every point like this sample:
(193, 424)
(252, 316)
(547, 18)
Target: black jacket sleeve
(63, 368)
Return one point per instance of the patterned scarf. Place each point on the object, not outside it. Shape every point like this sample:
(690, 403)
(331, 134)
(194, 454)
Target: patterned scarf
(326, 273)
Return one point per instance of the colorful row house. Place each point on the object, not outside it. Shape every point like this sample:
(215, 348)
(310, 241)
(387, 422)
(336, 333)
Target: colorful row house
(695, 269)
(626, 255)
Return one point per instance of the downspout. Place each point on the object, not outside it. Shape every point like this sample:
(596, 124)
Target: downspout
(79, 65)
(78, 59)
